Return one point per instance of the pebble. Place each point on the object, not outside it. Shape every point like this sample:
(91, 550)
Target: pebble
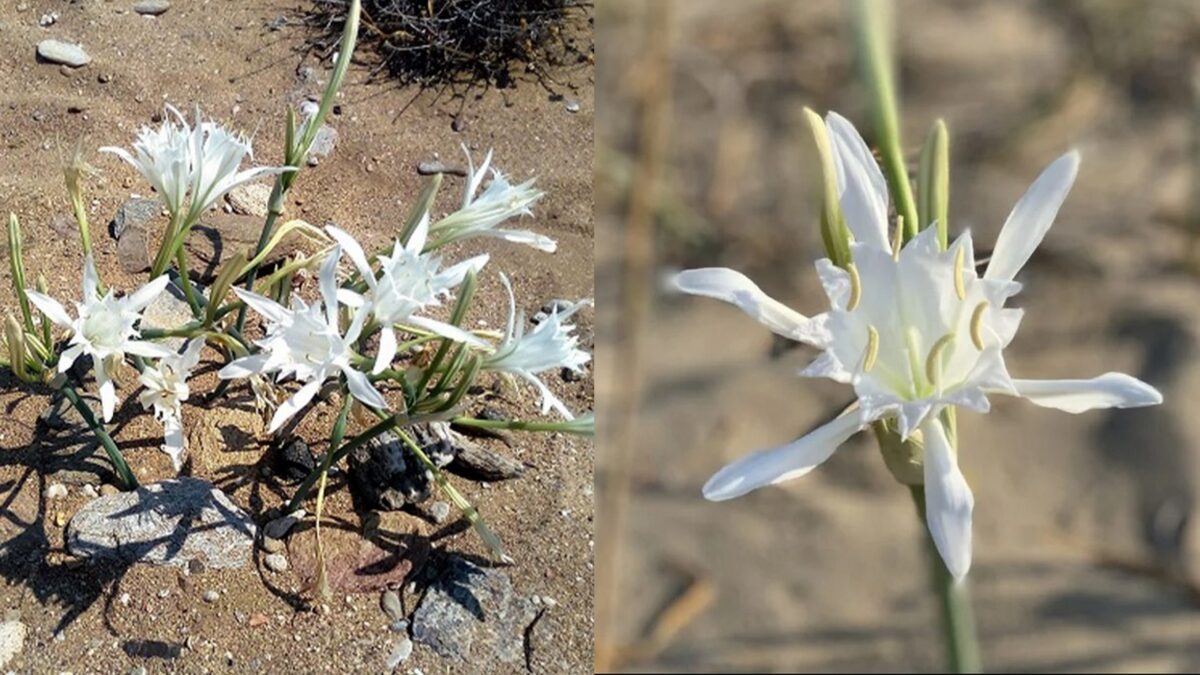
(400, 652)
(56, 491)
(440, 512)
(400, 626)
(389, 602)
(89, 491)
(48, 19)
(250, 199)
(66, 53)
(108, 489)
(151, 7)
(12, 640)
(430, 168)
(211, 596)
(278, 528)
(276, 562)
(124, 599)
(572, 106)
(272, 545)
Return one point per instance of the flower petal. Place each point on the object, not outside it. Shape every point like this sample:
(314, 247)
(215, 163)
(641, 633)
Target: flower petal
(68, 356)
(538, 241)
(446, 330)
(91, 280)
(1032, 217)
(329, 285)
(139, 299)
(246, 366)
(767, 467)
(294, 404)
(50, 307)
(1110, 390)
(108, 392)
(361, 389)
(273, 311)
(387, 350)
(149, 350)
(353, 249)
(948, 501)
(734, 287)
(861, 188)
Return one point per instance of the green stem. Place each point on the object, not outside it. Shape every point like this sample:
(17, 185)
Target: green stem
(333, 457)
(958, 619)
(186, 282)
(128, 481)
(275, 208)
(873, 29)
(515, 425)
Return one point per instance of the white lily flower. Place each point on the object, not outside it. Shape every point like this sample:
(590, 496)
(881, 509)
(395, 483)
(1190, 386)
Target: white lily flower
(913, 331)
(550, 345)
(104, 329)
(408, 282)
(481, 214)
(306, 342)
(165, 391)
(200, 161)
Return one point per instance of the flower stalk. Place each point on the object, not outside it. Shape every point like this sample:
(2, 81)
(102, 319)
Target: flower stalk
(954, 599)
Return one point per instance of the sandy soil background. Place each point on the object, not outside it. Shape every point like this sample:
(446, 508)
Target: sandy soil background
(1086, 540)
(221, 55)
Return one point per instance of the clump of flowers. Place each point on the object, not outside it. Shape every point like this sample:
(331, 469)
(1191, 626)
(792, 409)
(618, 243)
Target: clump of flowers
(359, 337)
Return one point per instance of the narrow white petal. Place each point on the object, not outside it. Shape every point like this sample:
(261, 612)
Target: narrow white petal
(361, 389)
(734, 287)
(294, 404)
(1032, 217)
(353, 249)
(329, 285)
(538, 241)
(108, 395)
(173, 441)
(67, 358)
(948, 501)
(1110, 390)
(387, 350)
(767, 467)
(861, 188)
(270, 309)
(191, 354)
(91, 280)
(350, 299)
(146, 349)
(420, 235)
(446, 330)
(50, 307)
(139, 299)
(549, 400)
(244, 367)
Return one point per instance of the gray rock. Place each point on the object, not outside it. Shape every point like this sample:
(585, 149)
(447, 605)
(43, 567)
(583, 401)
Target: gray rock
(171, 522)
(400, 652)
(440, 512)
(151, 7)
(66, 53)
(276, 562)
(472, 614)
(250, 199)
(272, 545)
(12, 640)
(48, 19)
(430, 168)
(168, 310)
(211, 596)
(389, 602)
(56, 491)
(323, 142)
(135, 211)
(572, 106)
(278, 528)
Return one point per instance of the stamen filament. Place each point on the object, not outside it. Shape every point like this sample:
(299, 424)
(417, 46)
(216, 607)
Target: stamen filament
(977, 325)
(933, 364)
(872, 349)
(959, 285)
(855, 288)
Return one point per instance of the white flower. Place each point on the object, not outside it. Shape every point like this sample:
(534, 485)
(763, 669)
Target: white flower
(548, 346)
(201, 161)
(408, 282)
(306, 342)
(165, 391)
(104, 329)
(912, 332)
(480, 215)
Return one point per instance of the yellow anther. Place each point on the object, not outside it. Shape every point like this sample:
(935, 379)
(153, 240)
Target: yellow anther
(872, 349)
(959, 285)
(933, 364)
(977, 325)
(855, 288)
(898, 239)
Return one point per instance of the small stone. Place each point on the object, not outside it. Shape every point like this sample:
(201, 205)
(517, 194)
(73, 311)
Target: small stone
(272, 545)
(109, 489)
(12, 640)
(387, 475)
(570, 374)
(431, 168)
(60, 519)
(250, 199)
(48, 19)
(89, 492)
(572, 106)
(401, 651)
(294, 461)
(440, 511)
(151, 7)
(66, 53)
(211, 596)
(164, 593)
(389, 602)
(278, 528)
(134, 211)
(56, 491)
(324, 141)
(276, 562)
(168, 309)
(104, 78)
(457, 124)
(139, 670)
(258, 619)
(124, 599)
(400, 626)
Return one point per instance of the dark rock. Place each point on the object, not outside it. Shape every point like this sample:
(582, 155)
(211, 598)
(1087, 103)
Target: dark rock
(133, 249)
(221, 235)
(430, 168)
(570, 374)
(472, 614)
(171, 522)
(293, 460)
(386, 475)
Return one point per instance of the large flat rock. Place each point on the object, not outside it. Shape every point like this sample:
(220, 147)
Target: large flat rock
(172, 522)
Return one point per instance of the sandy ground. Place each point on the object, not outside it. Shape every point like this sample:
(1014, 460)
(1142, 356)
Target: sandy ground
(221, 56)
(1078, 518)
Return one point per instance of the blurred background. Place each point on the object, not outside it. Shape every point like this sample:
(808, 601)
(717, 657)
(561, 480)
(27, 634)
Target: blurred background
(1087, 543)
